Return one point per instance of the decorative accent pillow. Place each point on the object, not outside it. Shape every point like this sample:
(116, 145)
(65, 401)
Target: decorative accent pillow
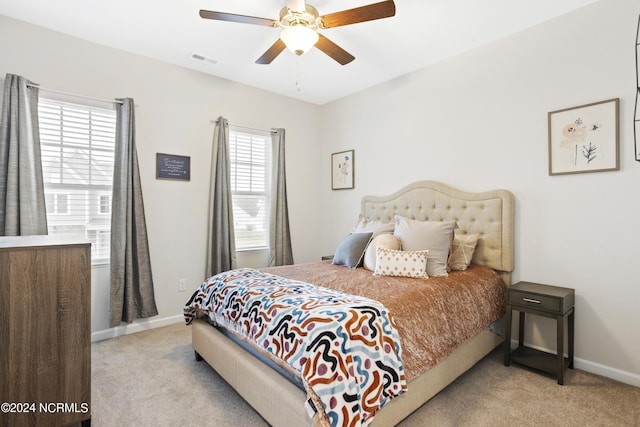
(462, 251)
(435, 236)
(376, 227)
(351, 250)
(387, 241)
(390, 262)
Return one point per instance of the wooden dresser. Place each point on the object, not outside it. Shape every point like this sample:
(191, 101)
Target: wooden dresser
(45, 331)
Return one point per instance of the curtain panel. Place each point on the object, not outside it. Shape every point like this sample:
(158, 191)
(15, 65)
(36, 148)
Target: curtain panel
(221, 246)
(22, 202)
(132, 294)
(280, 252)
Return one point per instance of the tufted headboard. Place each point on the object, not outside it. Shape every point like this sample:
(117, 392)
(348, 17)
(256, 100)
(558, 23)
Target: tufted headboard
(488, 214)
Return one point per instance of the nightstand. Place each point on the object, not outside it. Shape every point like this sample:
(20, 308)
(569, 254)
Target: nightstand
(541, 300)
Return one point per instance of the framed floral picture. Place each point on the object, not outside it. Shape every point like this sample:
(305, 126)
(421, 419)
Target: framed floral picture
(342, 170)
(584, 138)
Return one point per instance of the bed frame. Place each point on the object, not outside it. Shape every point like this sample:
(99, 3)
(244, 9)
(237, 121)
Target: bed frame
(489, 214)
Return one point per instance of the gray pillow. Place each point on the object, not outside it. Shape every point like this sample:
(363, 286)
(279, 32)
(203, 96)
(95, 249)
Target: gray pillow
(351, 250)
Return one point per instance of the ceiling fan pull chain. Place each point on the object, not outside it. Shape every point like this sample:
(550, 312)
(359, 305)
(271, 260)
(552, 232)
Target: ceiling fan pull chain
(298, 85)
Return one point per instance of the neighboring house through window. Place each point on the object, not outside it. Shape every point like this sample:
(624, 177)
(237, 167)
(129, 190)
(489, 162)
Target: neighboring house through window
(78, 143)
(250, 155)
(57, 203)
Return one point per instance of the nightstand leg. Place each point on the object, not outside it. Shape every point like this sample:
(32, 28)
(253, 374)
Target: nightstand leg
(560, 357)
(521, 329)
(507, 336)
(570, 326)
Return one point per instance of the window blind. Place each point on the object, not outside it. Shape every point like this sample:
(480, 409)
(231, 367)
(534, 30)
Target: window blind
(77, 144)
(250, 156)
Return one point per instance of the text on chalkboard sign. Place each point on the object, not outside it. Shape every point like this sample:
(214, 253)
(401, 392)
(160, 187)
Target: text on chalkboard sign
(171, 166)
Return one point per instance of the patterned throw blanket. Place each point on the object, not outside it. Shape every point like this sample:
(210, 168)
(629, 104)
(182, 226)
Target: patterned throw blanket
(346, 348)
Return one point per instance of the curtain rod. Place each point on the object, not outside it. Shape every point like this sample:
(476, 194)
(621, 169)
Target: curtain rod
(63, 92)
(246, 127)
(77, 95)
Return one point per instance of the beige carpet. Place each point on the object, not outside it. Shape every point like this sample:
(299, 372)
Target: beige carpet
(152, 379)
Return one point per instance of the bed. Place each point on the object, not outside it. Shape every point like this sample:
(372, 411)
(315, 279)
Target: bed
(487, 215)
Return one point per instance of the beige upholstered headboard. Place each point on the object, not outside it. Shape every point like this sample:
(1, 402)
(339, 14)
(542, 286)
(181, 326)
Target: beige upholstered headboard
(489, 214)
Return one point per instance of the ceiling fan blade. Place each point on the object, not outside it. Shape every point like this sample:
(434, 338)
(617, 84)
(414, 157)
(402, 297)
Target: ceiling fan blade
(334, 51)
(370, 12)
(271, 53)
(243, 19)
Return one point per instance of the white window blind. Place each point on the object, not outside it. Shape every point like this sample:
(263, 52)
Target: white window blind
(78, 143)
(250, 155)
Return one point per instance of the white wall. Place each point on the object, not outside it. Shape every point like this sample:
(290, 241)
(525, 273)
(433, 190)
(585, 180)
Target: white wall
(478, 122)
(174, 113)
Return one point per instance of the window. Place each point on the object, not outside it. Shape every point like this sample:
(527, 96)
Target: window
(105, 204)
(78, 143)
(57, 203)
(250, 155)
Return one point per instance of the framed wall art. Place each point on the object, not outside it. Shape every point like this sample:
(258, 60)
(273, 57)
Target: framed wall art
(342, 175)
(584, 138)
(171, 166)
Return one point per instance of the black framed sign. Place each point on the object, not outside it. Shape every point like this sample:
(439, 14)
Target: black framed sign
(171, 166)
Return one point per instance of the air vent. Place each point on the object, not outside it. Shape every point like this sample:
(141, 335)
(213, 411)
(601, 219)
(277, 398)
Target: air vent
(201, 58)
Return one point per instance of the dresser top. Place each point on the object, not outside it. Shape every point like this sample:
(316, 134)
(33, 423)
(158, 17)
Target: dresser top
(13, 242)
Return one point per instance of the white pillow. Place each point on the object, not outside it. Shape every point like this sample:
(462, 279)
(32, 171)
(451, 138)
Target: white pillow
(462, 251)
(434, 236)
(390, 262)
(376, 227)
(387, 241)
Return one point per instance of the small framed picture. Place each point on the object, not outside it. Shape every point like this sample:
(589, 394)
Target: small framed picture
(584, 138)
(342, 170)
(171, 166)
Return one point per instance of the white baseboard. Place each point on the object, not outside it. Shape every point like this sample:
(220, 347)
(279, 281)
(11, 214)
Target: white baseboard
(607, 371)
(137, 326)
(593, 367)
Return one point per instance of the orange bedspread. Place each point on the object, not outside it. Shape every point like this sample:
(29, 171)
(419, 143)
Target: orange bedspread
(433, 316)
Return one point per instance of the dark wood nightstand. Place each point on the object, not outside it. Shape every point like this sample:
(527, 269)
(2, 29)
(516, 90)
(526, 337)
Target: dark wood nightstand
(541, 300)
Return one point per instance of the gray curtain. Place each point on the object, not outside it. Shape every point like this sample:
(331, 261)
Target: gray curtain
(280, 252)
(22, 203)
(221, 245)
(132, 295)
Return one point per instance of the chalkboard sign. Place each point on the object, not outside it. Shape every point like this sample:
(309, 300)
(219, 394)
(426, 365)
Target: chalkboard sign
(170, 166)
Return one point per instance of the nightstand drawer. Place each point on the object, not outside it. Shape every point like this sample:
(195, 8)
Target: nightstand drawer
(539, 302)
(543, 298)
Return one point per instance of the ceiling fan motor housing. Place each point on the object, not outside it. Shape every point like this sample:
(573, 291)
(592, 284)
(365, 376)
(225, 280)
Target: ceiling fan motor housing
(308, 18)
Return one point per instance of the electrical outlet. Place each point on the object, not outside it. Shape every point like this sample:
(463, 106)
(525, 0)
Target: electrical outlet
(182, 285)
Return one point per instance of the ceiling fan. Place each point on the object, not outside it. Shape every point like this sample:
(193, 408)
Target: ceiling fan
(300, 22)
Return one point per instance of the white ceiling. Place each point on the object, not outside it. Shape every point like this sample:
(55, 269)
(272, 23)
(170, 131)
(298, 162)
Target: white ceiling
(421, 33)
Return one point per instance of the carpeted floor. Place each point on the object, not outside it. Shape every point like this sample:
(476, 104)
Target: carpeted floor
(152, 379)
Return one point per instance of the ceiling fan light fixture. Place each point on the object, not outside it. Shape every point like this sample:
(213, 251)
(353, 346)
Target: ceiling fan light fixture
(299, 38)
